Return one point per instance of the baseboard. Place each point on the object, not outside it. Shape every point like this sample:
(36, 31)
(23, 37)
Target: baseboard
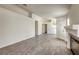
(15, 42)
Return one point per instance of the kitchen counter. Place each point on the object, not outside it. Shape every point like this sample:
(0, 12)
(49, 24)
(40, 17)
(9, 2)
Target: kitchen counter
(74, 39)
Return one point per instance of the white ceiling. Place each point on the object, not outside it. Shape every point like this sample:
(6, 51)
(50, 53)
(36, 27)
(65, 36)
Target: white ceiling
(49, 10)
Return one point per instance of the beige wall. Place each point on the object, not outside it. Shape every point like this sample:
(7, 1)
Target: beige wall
(14, 27)
(74, 14)
(15, 8)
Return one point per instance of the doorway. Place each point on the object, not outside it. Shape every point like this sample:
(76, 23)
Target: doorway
(44, 28)
(36, 28)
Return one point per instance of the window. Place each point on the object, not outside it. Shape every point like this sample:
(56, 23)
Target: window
(53, 21)
(68, 22)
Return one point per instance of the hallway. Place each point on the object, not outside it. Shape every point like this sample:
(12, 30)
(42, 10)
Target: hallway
(41, 45)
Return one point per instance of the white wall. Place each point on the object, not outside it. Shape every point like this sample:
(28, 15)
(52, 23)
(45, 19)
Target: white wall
(39, 27)
(51, 29)
(15, 27)
(43, 28)
(60, 30)
(39, 19)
